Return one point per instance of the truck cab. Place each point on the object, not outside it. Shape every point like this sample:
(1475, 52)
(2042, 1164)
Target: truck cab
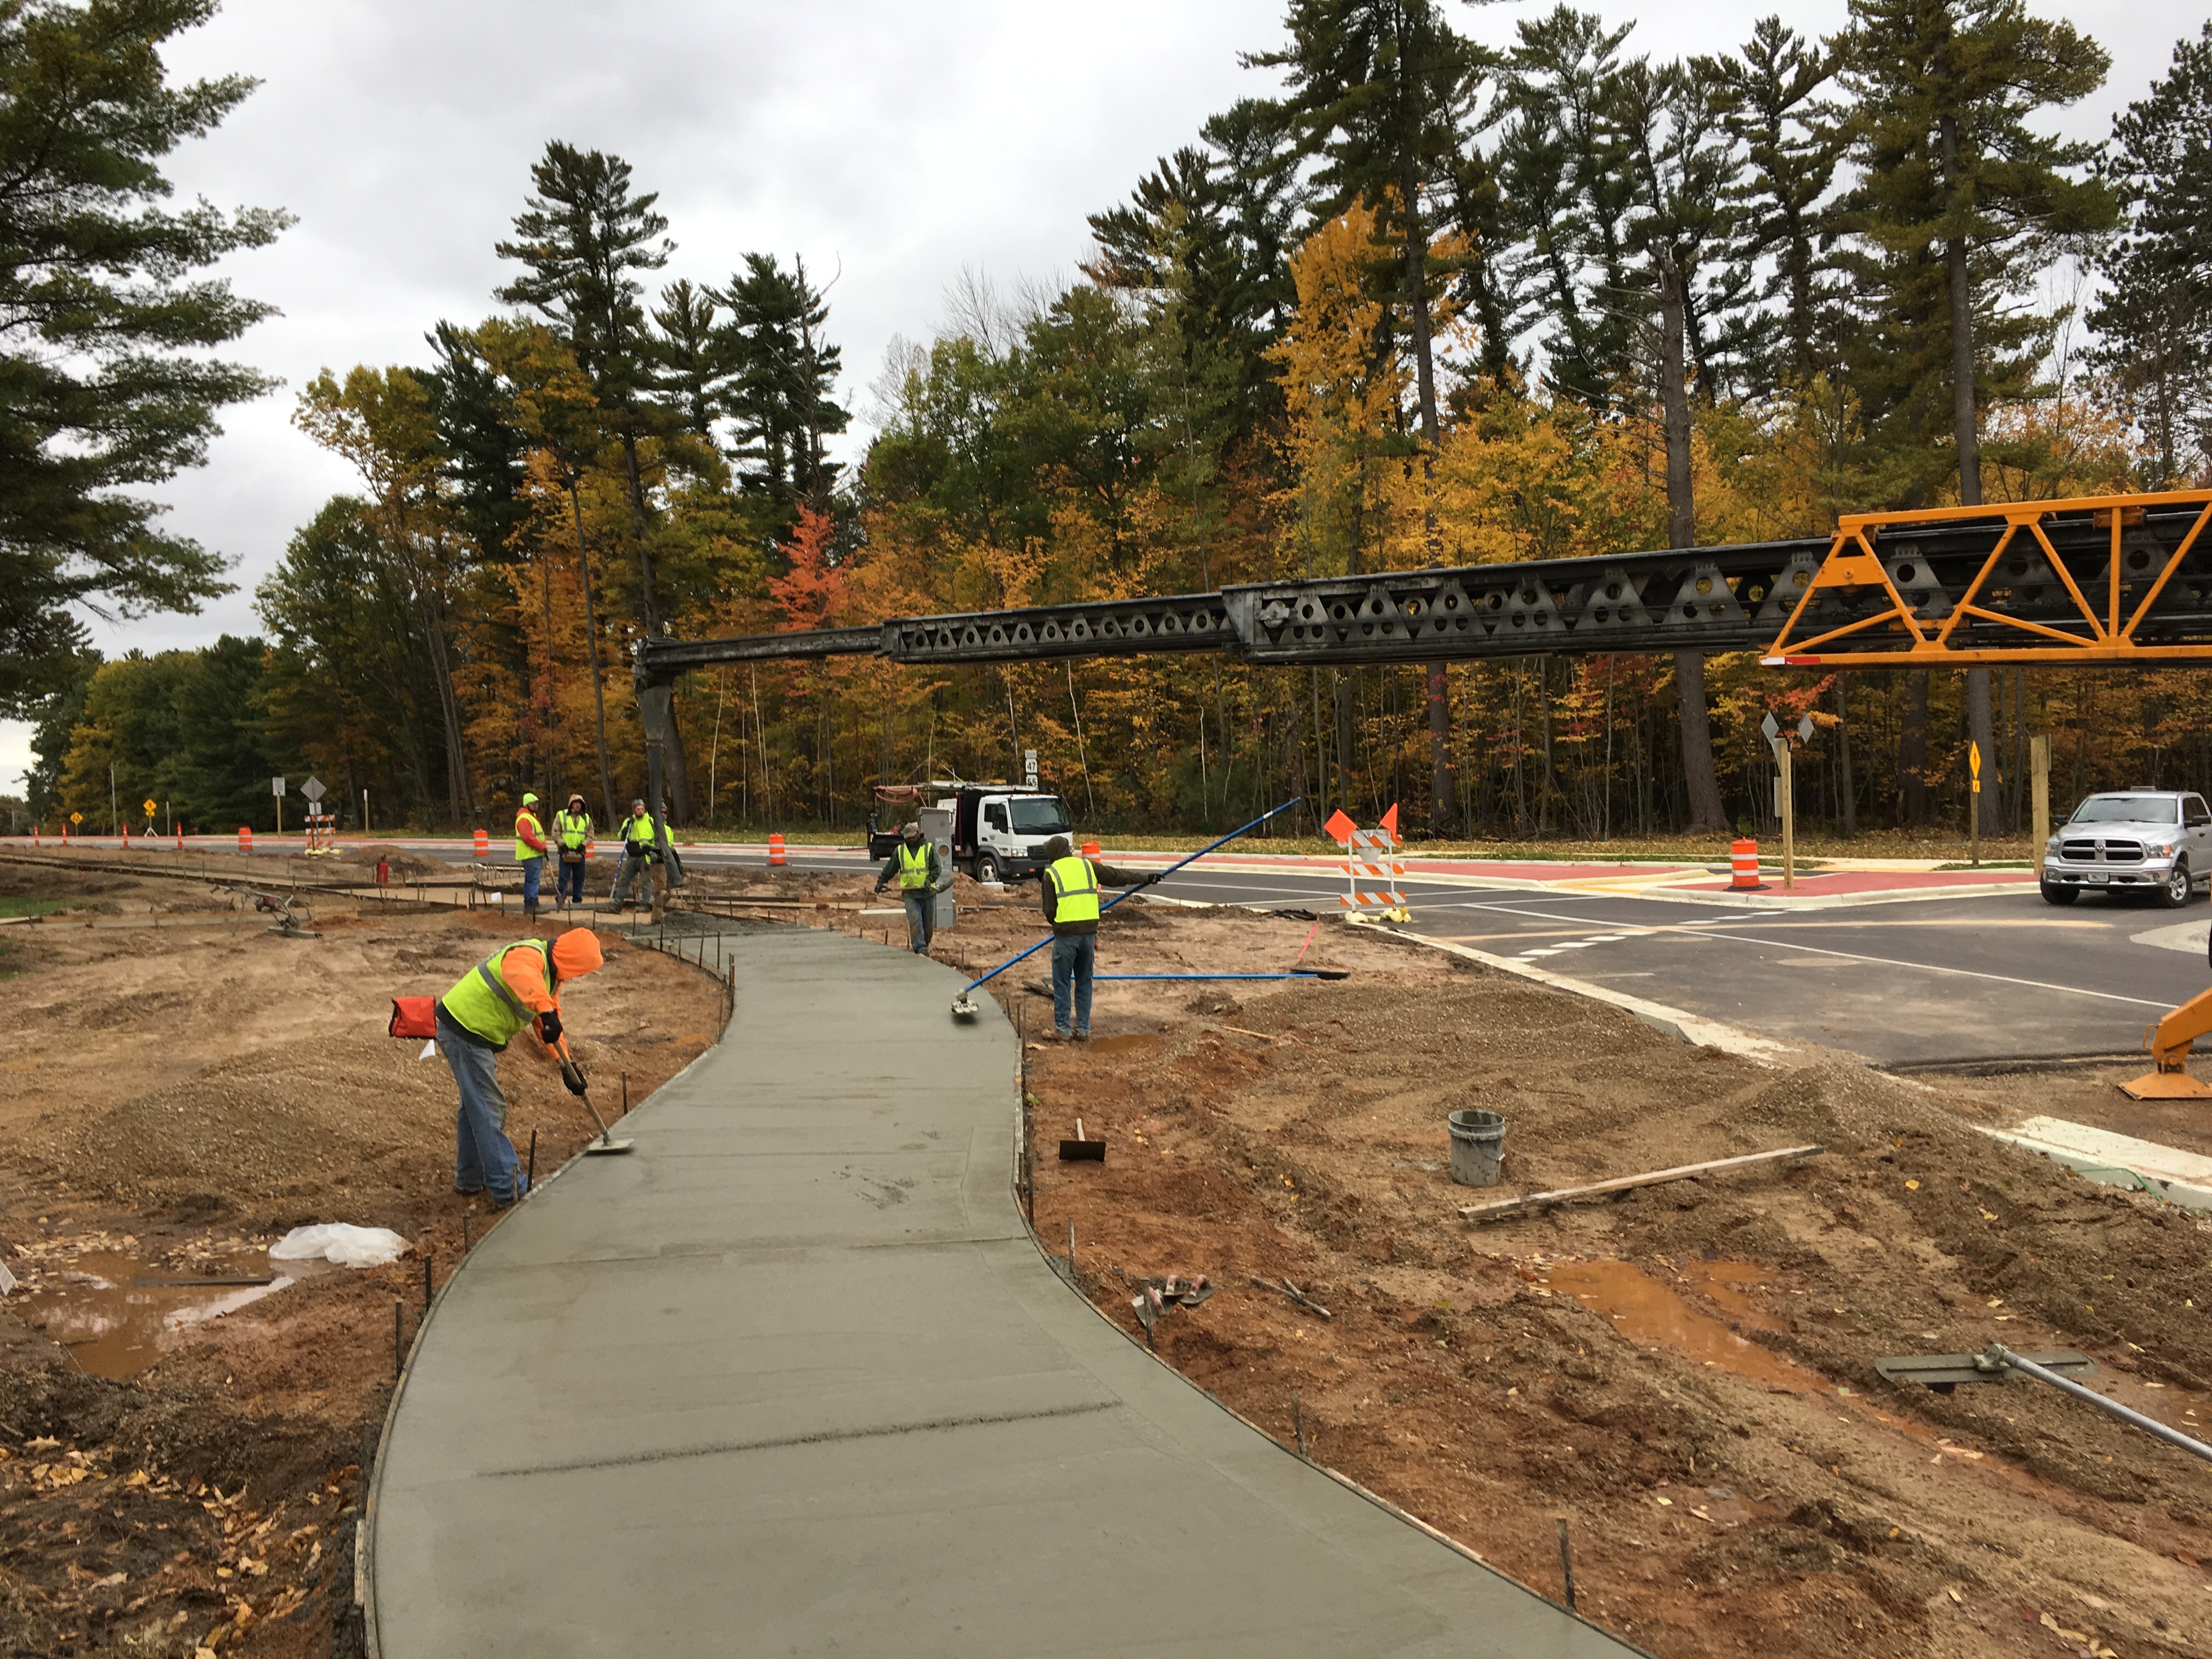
(999, 830)
(2156, 842)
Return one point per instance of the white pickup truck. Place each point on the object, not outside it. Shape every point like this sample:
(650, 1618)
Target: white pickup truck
(2157, 841)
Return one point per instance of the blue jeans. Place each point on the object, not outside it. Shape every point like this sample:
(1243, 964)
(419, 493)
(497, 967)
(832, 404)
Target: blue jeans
(569, 881)
(483, 1158)
(920, 909)
(533, 871)
(1073, 957)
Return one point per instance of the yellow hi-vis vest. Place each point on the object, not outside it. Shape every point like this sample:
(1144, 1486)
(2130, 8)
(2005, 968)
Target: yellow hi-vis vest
(913, 867)
(523, 849)
(483, 1005)
(573, 829)
(639, 834)
(1076, 884)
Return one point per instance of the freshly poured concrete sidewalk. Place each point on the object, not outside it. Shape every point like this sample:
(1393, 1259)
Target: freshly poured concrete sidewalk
(791, 1378)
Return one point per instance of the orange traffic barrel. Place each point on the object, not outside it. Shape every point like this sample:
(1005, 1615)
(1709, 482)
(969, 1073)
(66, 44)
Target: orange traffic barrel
(1743, 864)
(245, 838)
(483, 844)
(775, 851)
(181, 838)
(1090, 849)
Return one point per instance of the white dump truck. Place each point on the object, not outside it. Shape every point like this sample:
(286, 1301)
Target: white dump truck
(995, 831)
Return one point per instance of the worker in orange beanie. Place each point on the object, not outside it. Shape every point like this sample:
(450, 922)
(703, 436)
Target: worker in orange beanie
(518, 985)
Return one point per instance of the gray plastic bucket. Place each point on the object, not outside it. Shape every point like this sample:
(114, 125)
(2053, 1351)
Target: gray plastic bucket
(1478, 1147)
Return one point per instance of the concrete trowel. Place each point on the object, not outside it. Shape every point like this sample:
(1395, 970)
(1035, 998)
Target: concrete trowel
(572, 1074)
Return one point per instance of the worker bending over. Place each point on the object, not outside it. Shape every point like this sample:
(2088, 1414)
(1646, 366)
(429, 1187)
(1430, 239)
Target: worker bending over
(514, 987)
(640, 857)
(572, 836)
(530, 853)
(914, 861)
(1071, 885)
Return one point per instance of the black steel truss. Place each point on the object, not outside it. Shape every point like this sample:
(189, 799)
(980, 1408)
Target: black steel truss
(1707, 599)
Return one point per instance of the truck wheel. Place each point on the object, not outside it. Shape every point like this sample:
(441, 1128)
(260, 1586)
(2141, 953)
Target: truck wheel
(2173, 892)
(2059, 895)
(987, 868)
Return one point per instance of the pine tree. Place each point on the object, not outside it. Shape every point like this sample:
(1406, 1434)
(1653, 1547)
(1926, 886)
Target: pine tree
(1377, 89)
(104, 385)
(782, 392)
(1791, 151)
(2155, 324)
(583, 237)
(1960, 202)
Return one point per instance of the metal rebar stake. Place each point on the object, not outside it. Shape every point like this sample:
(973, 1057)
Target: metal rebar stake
(1566, 1565)
(398, 1353)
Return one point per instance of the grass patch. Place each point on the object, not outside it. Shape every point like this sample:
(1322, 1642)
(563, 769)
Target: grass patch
(29, 906)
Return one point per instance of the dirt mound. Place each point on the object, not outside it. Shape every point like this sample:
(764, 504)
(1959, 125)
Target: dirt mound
(1687, 1371)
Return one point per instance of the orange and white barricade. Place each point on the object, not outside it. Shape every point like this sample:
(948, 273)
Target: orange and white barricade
(1372, 872)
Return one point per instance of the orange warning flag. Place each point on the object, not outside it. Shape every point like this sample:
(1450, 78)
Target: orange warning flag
(1391, 823)
(1339, 827)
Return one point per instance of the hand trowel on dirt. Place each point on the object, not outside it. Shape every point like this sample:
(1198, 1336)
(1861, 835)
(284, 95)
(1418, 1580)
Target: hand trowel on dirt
(572, 1074)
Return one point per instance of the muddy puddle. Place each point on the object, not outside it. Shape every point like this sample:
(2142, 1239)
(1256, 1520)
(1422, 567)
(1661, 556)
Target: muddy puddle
(1648, 1311)
(118, 1314)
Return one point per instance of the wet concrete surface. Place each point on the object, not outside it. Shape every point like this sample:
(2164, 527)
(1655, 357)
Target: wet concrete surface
(794, 1378)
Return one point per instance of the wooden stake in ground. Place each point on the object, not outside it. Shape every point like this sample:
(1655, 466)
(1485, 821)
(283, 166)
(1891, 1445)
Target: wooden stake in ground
(1504, 1207)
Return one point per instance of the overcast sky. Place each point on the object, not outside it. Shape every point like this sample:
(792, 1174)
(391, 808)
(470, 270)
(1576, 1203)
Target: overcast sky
(898, 143)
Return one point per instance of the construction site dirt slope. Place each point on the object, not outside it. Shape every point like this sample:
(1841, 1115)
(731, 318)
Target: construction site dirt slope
(1684, 1373)
(180, 1087)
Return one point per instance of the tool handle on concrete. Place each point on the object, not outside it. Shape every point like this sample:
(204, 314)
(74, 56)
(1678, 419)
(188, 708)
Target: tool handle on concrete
(2149, 1424)
(1209, 848)
(569, 1067)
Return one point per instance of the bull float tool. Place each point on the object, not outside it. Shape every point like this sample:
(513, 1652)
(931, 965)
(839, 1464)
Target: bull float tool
(964, 1006)
(573, 1075)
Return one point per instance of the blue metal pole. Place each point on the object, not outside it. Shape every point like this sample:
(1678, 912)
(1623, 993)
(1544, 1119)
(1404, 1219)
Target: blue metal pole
(1118, 898)
(1100, 976)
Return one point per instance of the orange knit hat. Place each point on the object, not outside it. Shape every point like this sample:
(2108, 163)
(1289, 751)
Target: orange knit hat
(576, 953)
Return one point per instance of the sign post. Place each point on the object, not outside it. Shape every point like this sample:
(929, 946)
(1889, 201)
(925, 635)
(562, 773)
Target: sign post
(1785, 791)
(1030, 767)
(276, 788)
(2039, 763)
(1974, 806)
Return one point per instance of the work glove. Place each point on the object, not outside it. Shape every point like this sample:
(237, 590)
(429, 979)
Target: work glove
(573, 1077)
(1155, 878)
(548, 1027)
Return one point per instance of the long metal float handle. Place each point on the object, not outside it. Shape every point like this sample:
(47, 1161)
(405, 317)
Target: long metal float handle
(1118, 898)
(2149, 1424)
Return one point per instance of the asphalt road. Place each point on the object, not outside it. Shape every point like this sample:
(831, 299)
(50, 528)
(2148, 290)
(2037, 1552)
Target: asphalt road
(1904, 982)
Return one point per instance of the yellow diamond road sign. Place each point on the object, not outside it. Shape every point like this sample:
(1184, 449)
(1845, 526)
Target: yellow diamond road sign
(149, 809)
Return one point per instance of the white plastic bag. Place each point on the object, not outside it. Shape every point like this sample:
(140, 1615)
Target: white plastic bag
(339, 1242)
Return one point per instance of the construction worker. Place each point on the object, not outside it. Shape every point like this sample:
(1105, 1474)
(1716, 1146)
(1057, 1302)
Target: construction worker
(641, 858)
(1071, 888)
(572, 837)
(518, 985)
(914, 861)
(529, 852)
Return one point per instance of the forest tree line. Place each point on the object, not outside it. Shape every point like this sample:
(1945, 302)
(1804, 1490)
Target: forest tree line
(1434, 301)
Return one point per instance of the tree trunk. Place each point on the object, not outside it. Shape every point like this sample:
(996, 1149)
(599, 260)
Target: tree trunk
(1851, 800)
(1707, 815)
(1346, 795)
(1443, 794)
(1443, 799)
(1912, 752)
(678, 773)
(1965, 432)
(598, 691)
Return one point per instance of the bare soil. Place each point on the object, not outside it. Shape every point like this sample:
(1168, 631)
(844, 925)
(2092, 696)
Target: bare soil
(180, 1087)
(1685, 1373)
